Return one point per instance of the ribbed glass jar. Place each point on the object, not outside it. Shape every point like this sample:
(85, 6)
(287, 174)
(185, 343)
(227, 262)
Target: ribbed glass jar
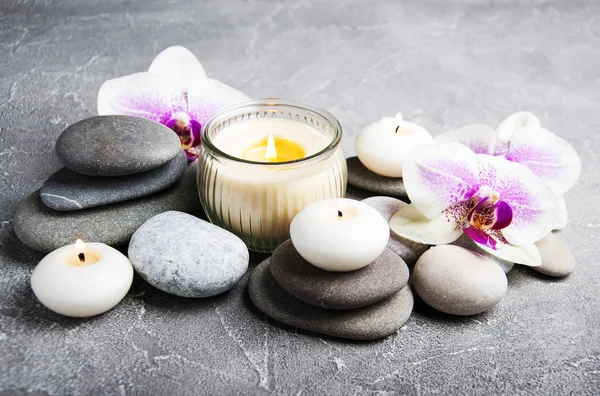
(258, 200)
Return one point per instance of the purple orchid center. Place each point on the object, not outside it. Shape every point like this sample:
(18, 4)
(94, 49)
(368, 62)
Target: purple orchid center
(188, 131)
(487, 218)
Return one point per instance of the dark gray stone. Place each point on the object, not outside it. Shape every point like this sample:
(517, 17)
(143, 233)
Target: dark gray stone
(66, 190)
(45, 229)
(338, 290)
(458, 281)
(116, 146)
(442, 64)
(557, 258)
(183, 255)
(361, 177)
(369, 323)
(409, 250)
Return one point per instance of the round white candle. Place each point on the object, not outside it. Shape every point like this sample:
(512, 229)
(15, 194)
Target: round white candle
(382, 146)
(259, 201)
(77, 285)
(339, 234)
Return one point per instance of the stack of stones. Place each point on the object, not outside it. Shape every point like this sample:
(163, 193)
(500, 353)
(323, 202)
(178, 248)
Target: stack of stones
(118, 172)
(366, 304)
(461, 278)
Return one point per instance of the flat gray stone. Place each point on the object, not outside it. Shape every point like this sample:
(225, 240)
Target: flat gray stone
(557, 257)
(45, 229)
(458, 281)
(369, 323)
(116, 145)
(377, 281)
(183, 255)
(409, 250)
(467, 243)
(66, 190)
(361, 177)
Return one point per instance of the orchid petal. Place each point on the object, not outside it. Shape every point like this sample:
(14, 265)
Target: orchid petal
(478, 137)
(514, 122)
(533, 204)
(142, 95)
(550, 157)
(437, 176)
(562, 214)
(504, 215)
(207, 96)
(480, 237)
(178, 66)
(409, 223)
(525, 254)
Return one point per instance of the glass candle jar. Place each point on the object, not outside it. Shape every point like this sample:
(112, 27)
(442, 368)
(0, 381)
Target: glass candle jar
(257, 200)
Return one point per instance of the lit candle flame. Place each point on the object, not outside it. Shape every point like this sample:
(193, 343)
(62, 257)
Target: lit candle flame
(271, 154)
(79, 245)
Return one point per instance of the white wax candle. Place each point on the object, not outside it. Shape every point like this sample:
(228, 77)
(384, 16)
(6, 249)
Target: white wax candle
(339, 234)
(82, 280)
(258, 201)
(382, 146)
(234, 139)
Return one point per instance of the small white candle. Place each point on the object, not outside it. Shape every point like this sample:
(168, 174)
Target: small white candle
(339, 234)
(82, 280)
(382, 146)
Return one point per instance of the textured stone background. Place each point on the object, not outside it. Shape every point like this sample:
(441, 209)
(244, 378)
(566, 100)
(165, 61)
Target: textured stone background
(443, 64)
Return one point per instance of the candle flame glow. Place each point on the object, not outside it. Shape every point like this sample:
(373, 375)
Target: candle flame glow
(79, 245)
(271, 154)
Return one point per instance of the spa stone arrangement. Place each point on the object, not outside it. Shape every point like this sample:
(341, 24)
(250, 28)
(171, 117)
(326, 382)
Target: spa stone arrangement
(172, 148)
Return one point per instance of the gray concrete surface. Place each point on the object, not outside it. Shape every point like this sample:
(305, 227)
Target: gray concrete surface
(441, 63)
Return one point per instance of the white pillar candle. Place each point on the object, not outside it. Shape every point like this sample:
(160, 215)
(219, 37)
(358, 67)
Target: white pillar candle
(257, 201)
(82, 280)
(382, 146)
(339, 234)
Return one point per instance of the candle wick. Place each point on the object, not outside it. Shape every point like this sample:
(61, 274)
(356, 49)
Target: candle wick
(81, 257)
(396, 131)
(339, 214)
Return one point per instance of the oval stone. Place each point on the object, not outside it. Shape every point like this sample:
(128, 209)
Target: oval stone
(377, 281)
(116, 145)
(458, 281)
(66, 190)
(368, 323)
(183, 255)
(557, 258)
(360, 177)
(409, 250)
(45, 229)
(467, 243)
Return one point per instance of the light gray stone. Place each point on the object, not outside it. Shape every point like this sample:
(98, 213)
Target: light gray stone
(467, 243)
(183, 255)
(387, 206)
(377, 281)
(369, 323)
(458, 281)
(45, 229)
(66, 190)
(361, 177)
(557, 257)
(409, 250)
(116, 145)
